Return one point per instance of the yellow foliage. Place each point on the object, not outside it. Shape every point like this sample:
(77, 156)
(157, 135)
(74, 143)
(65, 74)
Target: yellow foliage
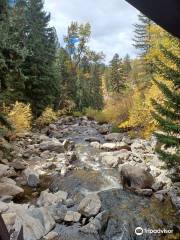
(161, 37)
(140, 113)
(96, 115)
(20, 116)
(69, 106)
(137, 113)
(115, 110)
(47, 117)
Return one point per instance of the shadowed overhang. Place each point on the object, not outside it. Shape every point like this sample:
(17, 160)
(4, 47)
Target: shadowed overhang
(165, 13)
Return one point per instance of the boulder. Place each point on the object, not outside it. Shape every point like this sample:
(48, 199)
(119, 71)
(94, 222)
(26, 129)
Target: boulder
(159, 196)
(104, 129)
(32, 178)
(114, 137)
(10, 189)
(95, 145)
(69, 202)
(96, 224)
(175, 194)
(134, 177)
(72, 216)
(90, 205)
(92, 139)
(6, 198)
(18, 165)
(115, 146)
(53, 145)
(7, 180)
(33, 228)
(58, 211)
(73, 233)
(46, 219)
(51, 236)
(163, 177)
(157, 186)
(3, 170)
(112, 159)
(144, 192)
(46, 198)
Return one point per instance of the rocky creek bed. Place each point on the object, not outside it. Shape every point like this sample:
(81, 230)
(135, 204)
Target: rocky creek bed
(76, 180)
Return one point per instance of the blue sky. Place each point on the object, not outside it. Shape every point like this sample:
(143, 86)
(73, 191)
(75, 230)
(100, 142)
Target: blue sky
(111, 21)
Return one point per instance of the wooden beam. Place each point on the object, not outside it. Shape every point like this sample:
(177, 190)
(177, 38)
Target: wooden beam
(165, 13)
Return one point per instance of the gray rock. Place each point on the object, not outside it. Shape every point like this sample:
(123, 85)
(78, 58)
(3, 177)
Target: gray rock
(126, 213)
(42, 214)
(46, 198)
(135, 177)
(69, 202)
(73, 233)
(157, 186)
(92, 139)
(51, 236)
(90, 205)
(7, 180)
(72, 216)
(114, 137)
(174, 194)
(104, 129)
(144, 192)
(159, 196)
(112, 159)
(18, 165)
(10, 189)
(53, 145)
(58, 212)
(115, 146)
(32, 177)
(95, 145)
(6, 198)
(96, 224)
(3, 170)
(36, 222)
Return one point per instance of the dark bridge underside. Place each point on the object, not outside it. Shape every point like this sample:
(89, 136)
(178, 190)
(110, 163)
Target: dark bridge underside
(165, 13)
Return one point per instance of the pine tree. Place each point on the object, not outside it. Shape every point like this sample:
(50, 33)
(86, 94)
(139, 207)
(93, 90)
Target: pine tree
(12, 54)
(67, 79)
(127, 65)
(116, 75)
(41, 86)
(142, 35)
(167, 114)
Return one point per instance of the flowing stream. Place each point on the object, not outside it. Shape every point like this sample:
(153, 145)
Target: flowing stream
(126, 210)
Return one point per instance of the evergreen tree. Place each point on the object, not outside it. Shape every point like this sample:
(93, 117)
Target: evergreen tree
(116, 81)
(127, 65)
(12, 54)
(89, 92)
(41, 86)
(142, 35)
(167, 114)
(67, 80)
